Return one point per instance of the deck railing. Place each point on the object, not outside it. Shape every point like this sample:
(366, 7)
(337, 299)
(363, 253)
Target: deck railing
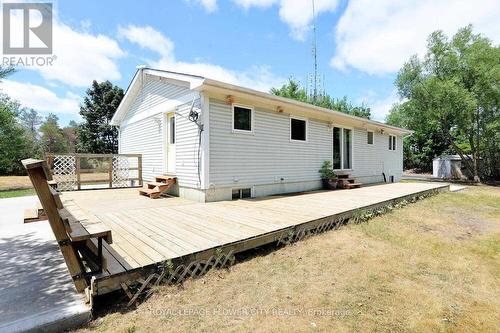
(85, 171)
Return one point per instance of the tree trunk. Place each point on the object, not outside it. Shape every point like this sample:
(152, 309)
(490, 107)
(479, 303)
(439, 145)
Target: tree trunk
(467, 161)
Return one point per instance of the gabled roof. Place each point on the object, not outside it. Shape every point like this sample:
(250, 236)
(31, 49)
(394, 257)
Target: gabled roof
(200, 83)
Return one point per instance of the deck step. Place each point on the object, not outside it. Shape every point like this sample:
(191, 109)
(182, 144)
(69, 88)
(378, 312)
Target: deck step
(353, 185)
(342, 176)
(34, 214)
(164, 178)
(160, 185)
(156, 188)
(153, 193)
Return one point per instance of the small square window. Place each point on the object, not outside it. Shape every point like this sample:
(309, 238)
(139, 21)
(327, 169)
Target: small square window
(242, 118)
(370, 138)
(246, 193)
(241, 193)
(298, 129)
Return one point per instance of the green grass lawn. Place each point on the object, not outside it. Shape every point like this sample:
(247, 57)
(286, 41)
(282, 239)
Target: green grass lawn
(432, 266)
(16, 193)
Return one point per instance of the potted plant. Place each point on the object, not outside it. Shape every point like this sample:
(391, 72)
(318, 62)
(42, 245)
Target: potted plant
(328, 177)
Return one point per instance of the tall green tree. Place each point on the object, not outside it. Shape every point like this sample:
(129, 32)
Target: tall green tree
(16, 143)
(69, 133)
(95, 134)
(52, 136)
(452, 95)
(31, 120)
(293, 89)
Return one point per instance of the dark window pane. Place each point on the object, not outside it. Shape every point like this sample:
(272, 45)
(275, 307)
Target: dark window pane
(370, 138)
(236, 194)
(246, 193)
(347, 148)
(172, 130)
(336, 148)
(298, 128)
(242, 119)
(393, 143)
(390, 142)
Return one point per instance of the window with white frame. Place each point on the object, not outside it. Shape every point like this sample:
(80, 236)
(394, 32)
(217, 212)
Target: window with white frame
(392, 142)
(342, 148)
(369, 137)
(242, 118)
(298, 129)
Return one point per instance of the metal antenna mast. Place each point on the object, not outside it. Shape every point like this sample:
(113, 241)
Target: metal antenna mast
(314, 53)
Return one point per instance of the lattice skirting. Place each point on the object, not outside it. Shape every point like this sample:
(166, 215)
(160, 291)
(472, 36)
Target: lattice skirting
(168, 275)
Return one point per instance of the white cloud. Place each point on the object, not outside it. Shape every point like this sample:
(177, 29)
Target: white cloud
(379, 107)
(296, 13)
(377, 37)
(41, 99)
(148, 38)
(80, 56)
(256, 77)
(209, 5)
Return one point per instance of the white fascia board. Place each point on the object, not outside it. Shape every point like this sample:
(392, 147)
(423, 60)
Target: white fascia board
(190, 81)
(121, 110)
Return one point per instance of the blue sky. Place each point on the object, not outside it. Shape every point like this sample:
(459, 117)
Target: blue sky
(254, 43)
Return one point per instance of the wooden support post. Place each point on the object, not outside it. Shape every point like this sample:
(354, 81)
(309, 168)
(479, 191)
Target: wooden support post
(139, 169)
(37, 172)
(110, 171)
(78, 176)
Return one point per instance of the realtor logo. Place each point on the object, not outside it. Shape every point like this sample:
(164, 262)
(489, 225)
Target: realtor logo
(27, 28)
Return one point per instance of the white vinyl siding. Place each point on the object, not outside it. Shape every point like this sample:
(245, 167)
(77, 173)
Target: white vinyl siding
(142, 132)
(186, 146)
(370, 161)
(145, 137)
(154, 92)
(268, 155)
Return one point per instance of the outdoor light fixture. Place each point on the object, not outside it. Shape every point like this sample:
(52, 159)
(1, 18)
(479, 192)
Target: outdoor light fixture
(229, 99)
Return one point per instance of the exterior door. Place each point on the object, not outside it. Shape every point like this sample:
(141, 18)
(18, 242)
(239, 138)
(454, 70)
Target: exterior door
(170, 144)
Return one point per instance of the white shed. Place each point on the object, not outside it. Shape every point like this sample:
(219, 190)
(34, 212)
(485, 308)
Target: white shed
(447, 166)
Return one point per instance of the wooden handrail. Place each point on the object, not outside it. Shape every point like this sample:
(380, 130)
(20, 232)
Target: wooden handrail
(108, 170)
(94, 155)
(37, 172)
(70, 234)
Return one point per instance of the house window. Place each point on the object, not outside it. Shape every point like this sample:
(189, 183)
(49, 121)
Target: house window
(171, 129)
(392, 142)
(369, 138)
(342, 148)
(298, 129)
(242, 193)
(347, 151)
(242, 119)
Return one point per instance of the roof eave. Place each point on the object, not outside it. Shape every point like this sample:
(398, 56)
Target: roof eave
(209, 83)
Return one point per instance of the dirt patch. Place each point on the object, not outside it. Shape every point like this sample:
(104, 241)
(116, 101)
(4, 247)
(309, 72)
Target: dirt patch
(14, 183)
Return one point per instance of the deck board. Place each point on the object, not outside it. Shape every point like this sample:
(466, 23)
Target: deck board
(147, 231)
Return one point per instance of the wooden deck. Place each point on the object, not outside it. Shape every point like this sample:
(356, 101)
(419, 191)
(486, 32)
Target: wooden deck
(146, 232)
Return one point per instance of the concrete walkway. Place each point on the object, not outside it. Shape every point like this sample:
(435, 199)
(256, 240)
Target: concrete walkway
(36, 291)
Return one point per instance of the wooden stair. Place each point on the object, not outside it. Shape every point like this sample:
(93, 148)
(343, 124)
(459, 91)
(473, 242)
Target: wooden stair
(156, 188)
(346, 182)
(34, 214)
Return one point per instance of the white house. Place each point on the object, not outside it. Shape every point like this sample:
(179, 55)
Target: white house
(239, 142)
